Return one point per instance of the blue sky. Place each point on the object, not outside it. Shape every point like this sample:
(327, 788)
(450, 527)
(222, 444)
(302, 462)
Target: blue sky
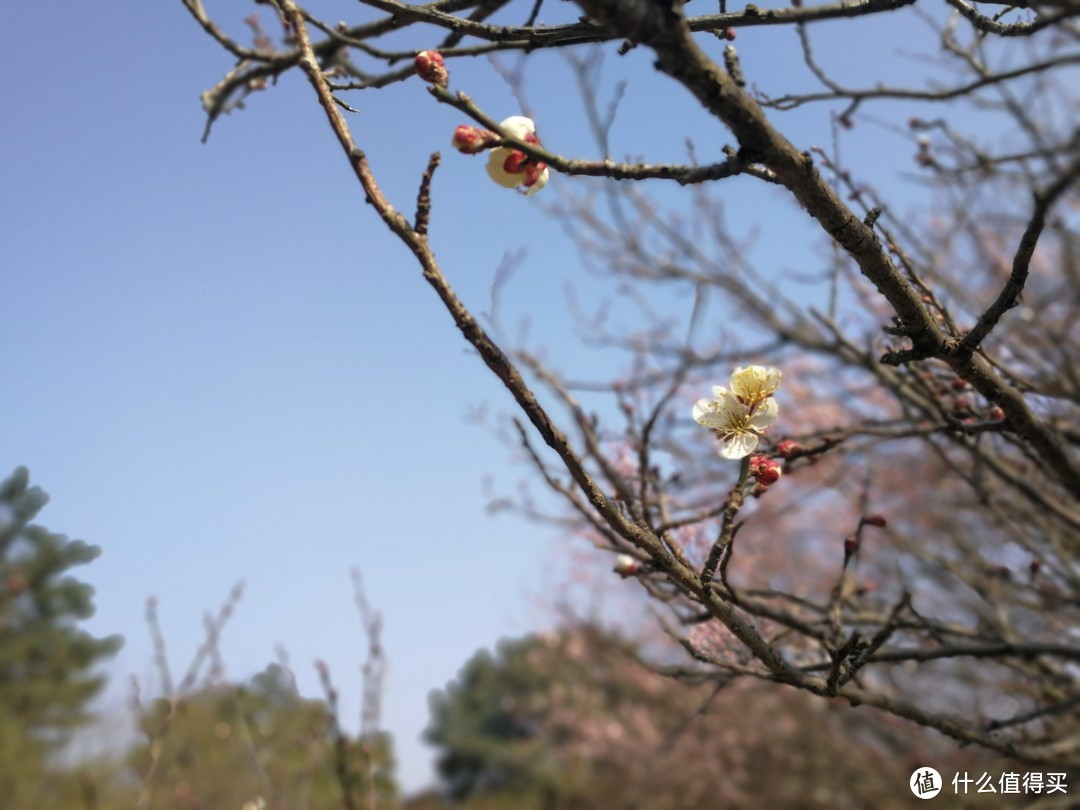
(221, 366)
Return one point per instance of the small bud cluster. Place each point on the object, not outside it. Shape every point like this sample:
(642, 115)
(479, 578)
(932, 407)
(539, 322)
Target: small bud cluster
(431, 68)
(766, 470)
(517, 164)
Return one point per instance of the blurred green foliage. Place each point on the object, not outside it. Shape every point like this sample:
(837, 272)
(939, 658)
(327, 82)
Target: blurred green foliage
(257, 746)
(47, 664)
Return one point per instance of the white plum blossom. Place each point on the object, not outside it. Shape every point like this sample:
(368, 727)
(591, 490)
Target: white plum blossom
(740, 414)
(511, 167)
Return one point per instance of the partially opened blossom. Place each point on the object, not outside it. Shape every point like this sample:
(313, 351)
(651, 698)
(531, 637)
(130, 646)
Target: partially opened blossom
(511, 167)
(740, 415)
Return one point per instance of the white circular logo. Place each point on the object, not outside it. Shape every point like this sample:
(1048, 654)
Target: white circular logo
(925, 783)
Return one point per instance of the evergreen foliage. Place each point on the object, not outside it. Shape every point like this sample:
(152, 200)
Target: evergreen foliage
(47, 664)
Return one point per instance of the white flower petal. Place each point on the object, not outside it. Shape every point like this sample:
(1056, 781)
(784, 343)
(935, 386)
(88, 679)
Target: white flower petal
(519, 126)
(738, 445)
(719, 392)
(765, 414)
(496, 160)
(704, 412)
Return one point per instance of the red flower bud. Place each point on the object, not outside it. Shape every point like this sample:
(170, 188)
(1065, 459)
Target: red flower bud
(470, 140)
(876, 520)
(851, 545)
(787, 448)
(515, 162)
(429, 67)
(995, 414)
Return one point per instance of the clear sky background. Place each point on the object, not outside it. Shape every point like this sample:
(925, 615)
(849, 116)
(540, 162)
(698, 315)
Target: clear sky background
(221, 366)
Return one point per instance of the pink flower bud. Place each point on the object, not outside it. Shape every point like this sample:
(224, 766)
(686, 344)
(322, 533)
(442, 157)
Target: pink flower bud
(876, 520)
(515, 162)
(766, 470)
(626, 566)
(995, 414)
(916, 123)
(787, 448)
(532, 175)
(470, 140)
(429, 67)
(729, 34)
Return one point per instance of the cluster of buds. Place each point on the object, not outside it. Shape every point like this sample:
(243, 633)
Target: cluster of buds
(766, 470)
(431, 68)
(508, 167)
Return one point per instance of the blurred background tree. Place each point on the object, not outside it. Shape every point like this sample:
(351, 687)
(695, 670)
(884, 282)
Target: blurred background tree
(260, 745)
(48, 666)
(578, 719)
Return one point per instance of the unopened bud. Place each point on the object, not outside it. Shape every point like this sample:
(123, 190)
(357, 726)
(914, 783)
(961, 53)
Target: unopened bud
(788, 448)
(766, 470)
(729, 34)
(626, 566)
(430, 67)
(851, 545)
(515, 162)
(533, 172)
(876, 520)
(995, 414)
(470, 140)
(1034, 566)
(916, 123)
